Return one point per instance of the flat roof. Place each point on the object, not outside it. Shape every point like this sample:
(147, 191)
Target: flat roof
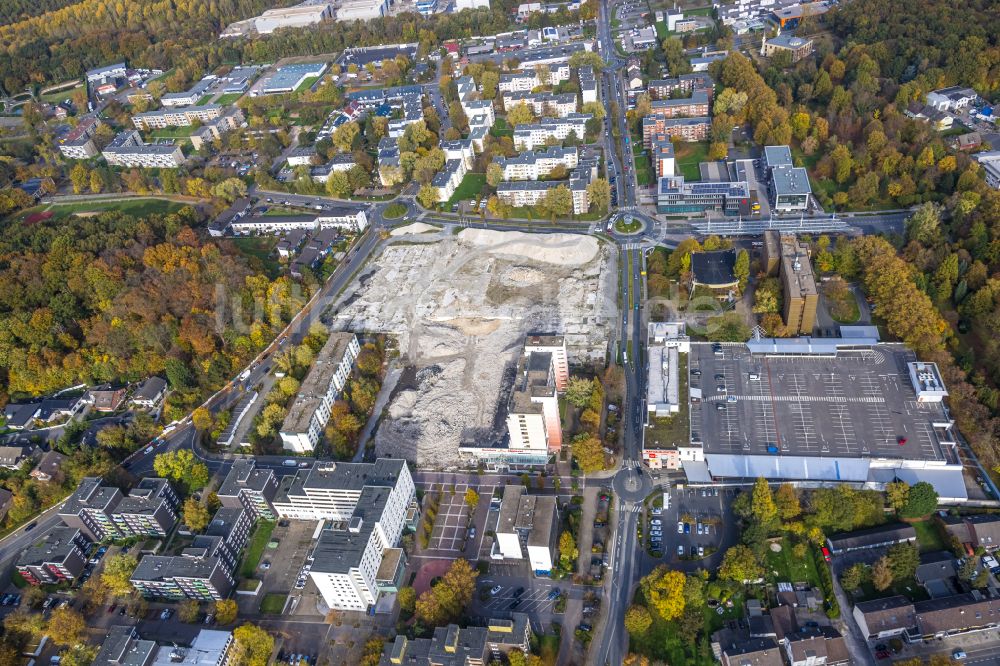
(316, 384)
(714, 268)
(244, 474)
(777, 155)
(56, 545)
(790, 180)
(855, 405)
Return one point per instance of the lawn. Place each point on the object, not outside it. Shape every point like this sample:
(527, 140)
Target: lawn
(688, 156)
(630, 228)
(205, 100)
(394, 211)
(548, 648)
(784, 566)
(173, 132)
(670, 431)
(305, 85)
(131, 206)
(60, 95)
(661, 30)
(472, 184)
(643, 167)
(841, 302)
(928, 536)
(260, 248)
(261, 535)
(501, 128)
(228, 98)
(273, 603)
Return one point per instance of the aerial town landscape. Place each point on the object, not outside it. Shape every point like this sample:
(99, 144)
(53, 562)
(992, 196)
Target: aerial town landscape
(469, 332)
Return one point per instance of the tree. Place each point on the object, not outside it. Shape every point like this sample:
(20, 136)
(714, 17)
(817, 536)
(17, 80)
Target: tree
(741, 269)
(252, 646)
(230, 190)
(578, 391)
(189, 610)
(521, 114)
(201, 418)
(445, 602)
(557, 202)
(969, 571)
(663, 590)
(855, 576)
(587, 59)
(568, 552)
(882, 574)
(344, 136)
(921, 501)
(225, 611)
(96, 182)
(195, 515)
(471, 499)
(923, 226)
(599, 193)
(588, 452)
(427, 196)
(66, 627)
(740, 565)
(80, 178)
(903, 560)
(407, 598)
(897, 493)
(182, 469)
(718, 150)
(637, 620)
(77, 655)
(24, 624)
(763, 508)
(117, 572)
(786, 499)
(494, 174)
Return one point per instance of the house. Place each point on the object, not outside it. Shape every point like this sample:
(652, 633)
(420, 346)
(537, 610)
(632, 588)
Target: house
(939, 119)
(50, 409)
(19, 416)
(816, 647)
(935, 572)
(49, 468)
(150, 393)
(874, 537)
(11, 457)
(952, 98)
(879, 619)
(969, 141)
(106, 397)
(956, 614)
(978, 531)
(752, 652)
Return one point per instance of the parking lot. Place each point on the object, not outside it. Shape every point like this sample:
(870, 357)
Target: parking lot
(849, 406)
(539, 599)
(280, 566)
(452, 518)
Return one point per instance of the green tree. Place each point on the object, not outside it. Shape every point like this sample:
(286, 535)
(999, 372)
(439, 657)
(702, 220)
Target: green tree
(903, 560)
(855, 576)
(446, 601)
(471, 499)
(578, 391)
(80, 178)
(520, 114)
(195, 515)
(663, 590)
(740, 565)
(407, 598)
(66, 627)
(189, 610)
(344, 136)
(882, 574)
(252, 646)
(225, 611)
(494, 174)
(568, 552)
(637, 620)
(763, 509)
(896, 494)
(924, 225)
(427, 196)
(588, 452)
(201, 418)
(920, 501)
(182, 469)
(741, 269)
(117, 572)
(599, 193)
(786, 500)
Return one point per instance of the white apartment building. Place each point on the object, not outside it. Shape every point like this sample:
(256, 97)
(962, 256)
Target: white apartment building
(78, 144)
(533, 409)
(128, 150)
(555, 345)
(366, 506)
(326, 379)
(990, 161)
(460, 149)
(471, 4)
(529, 193)
(474, 107)
(542, 104)
(449, 178)
(527, 526)
(179, 117)
(335, 217)
(172, 100)
(533, 165)
(588, 85)
(531, 78)
(528, 137)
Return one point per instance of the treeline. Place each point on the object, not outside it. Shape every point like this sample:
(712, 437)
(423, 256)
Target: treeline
(931, 42)
(116, 297)
(12, 11)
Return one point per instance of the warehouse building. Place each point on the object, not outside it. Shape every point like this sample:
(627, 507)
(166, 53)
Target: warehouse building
(298, 16)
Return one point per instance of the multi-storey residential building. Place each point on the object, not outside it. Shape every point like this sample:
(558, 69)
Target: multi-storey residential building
(542, 104)
(546, 130)
(588, 85)
(123, 647)
(663, 156)
(460, 149)
(60, 556)
(78, 143)
(533, 421)
(202, 571)
(311, 410)
(685, 107)
(366, 506)
(454, 646)
(685, 83)
(799, 287)
(128, 150)
(529, 193)
(250, 488)
(149, 509)
(90, 507)
(473, 107)
(449, 178)
(533, 165)
(555, 345)
(677, 196)
(214, 130)
(531, 78)
(177, 117)
(688, 129)
(527, 525)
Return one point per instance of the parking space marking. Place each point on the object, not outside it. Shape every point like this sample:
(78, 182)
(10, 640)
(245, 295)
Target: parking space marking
(804, 427)
(844, 436)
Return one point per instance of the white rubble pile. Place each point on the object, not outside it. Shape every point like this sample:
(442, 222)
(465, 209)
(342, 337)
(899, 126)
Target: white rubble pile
(460, 308)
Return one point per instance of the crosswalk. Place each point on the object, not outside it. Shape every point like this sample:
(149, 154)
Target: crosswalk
(632, 246)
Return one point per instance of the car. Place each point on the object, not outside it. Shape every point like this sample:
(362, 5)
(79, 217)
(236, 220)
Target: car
(720, 378)
(554, 594)
(656, 521)
(687, 528)
(959, 654)
(722, 388)
(472, 532)
(730, 399)
(902, 440)
(826, 553)
(265, 565)
(518, 592)
(680, 551)
(701, 529)
(720, 406)
(495, 589)
(585, 627)
(111, 609)
(122, 611)
(31, 527)
(166, 614)
(696, 372)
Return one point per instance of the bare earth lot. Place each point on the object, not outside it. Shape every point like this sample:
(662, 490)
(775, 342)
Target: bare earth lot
(460, 306)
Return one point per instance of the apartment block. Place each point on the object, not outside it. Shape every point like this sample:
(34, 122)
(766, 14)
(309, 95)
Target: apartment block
(176, 117)
(533, 421)
(528, 193)
(455, 646)
(460, 149)
(449, 178)
(123, 647)
(149, 509)
(214, 130)
(588, 85)
(799, 286)
(365, 506)
(547, 130)
(664, 162)
(128, 150)
(687, 129)
(60, 556)
(555, 346)
(528, 80)
(249, 488)
(527, 526)
(319, 390)
(542, 104)
(472, 106)
(686, 107)
(89, 509)
(661, 89)
(78, 144)
(532, 165)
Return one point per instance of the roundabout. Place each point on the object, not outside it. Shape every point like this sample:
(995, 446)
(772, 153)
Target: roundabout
(629, 225)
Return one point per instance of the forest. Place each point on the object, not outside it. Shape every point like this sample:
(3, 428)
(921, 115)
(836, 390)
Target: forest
(12, 11)
(115, 297)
